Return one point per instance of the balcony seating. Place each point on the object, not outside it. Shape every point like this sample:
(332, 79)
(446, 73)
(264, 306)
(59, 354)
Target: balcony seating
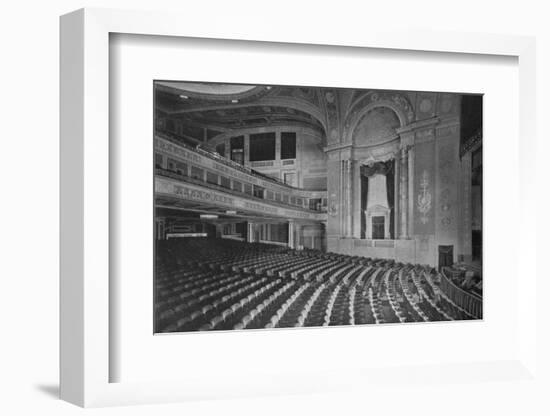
(214, 284)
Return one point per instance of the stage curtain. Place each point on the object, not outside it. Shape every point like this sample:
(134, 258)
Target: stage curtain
(383, 168)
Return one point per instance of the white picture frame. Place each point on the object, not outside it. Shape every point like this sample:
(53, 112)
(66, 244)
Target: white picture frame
(85, 354)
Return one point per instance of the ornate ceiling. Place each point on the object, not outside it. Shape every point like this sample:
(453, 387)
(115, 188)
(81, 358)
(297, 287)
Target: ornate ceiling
(226, 107)
(212, 109)
(197, 88)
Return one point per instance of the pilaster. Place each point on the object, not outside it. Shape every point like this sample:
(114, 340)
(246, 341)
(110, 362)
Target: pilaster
(404, 190)
(410, 206)
(291, 243)
(397, 195)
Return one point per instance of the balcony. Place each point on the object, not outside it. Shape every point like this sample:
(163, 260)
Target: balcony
(176, 186)
(179, 141)
(213, 162)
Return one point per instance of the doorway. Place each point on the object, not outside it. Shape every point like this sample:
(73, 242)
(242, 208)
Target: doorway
(445, 256)
(378, 227)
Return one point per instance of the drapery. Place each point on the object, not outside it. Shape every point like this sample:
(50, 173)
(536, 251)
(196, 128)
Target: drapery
(364, 193)
(382, 168)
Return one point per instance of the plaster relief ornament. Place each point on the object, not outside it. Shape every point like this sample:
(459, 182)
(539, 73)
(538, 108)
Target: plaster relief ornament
(424, 198)
(402, 102)
(333, 206)
(425, 105)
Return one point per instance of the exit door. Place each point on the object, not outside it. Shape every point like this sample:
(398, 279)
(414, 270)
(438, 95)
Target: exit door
(445, 256)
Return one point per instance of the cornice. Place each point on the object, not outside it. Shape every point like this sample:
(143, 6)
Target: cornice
(418, 125)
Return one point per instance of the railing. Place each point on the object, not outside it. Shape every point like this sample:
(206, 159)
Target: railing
(236, 237)
(470, 302)
(374, 243)
(176, 139)
(193, 155)
(262, 164)
(184, 178)
(278, 243)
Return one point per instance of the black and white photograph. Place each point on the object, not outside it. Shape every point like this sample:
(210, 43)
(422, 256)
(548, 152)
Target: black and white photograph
(301, 206)
(291, 208)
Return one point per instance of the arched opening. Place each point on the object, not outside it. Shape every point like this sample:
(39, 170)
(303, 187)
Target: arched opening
(377, 177)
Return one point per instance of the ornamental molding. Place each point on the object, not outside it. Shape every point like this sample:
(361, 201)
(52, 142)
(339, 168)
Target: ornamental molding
(447, 130)
(373, 155)
(418, 125)
(395, 101)
(333, 205)
(424, 197)
(332, 114)
(377, 208)
(425, 136)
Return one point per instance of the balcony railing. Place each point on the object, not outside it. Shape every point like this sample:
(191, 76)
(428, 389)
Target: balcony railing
(468, 301)
(176, 139)
(180, 177)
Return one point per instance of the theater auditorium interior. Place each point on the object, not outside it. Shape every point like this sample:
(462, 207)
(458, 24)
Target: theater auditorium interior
(293, 206)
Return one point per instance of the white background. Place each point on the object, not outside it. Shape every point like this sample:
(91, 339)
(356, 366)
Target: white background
(29, 259)
(305, 350)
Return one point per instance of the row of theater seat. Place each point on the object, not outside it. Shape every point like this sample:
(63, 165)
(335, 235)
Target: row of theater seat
(213, 284)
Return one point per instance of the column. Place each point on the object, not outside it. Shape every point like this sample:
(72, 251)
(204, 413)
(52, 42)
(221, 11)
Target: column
(246, 155)
(396, 195)
(410, 207)
(227, 148)
(161, 235)
(278, 145)
(345, 202)
(404, 195)
(356, 197)
(387, 226)
(249, 232)
(291, 234)
(347, 197)
(342, 210)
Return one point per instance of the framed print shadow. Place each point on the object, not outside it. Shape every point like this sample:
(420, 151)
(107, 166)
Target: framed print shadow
(281, 206)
